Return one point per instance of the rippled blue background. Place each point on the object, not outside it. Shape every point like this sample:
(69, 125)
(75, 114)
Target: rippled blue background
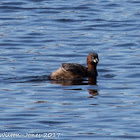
(36, 36)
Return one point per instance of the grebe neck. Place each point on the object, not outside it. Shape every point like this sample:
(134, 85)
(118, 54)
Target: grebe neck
(92, 69)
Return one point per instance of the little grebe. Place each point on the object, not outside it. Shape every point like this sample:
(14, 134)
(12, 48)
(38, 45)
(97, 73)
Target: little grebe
(73, 70)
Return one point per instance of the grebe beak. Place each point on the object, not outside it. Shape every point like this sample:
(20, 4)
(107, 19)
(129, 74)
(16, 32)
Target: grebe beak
(96, 60)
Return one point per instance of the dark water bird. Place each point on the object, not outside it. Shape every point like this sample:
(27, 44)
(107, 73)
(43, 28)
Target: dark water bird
(73, 71)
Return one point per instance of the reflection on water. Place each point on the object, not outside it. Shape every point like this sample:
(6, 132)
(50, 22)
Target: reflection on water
(89, 81)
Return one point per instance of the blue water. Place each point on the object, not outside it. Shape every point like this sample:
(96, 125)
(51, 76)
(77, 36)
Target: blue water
(36, 36)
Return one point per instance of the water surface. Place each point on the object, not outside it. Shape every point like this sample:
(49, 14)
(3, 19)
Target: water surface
(36, 36)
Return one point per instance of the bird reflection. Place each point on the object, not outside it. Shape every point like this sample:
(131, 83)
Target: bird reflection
(89, 81)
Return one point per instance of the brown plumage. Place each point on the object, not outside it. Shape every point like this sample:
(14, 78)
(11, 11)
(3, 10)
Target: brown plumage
(73, 70)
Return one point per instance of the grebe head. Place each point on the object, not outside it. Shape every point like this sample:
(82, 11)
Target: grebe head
(92, 59)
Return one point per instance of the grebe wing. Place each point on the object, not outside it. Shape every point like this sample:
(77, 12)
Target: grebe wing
(75, 68)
